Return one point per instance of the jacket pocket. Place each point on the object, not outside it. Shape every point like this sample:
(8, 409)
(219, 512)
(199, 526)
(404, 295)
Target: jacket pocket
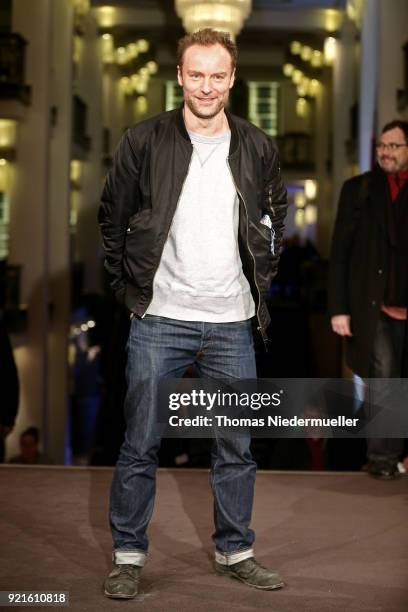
(267, 223)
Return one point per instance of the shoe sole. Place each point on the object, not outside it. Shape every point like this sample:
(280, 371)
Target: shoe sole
(279, 585)
(118, 596)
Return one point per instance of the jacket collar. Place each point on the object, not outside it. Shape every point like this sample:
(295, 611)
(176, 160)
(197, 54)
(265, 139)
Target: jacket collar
(181, 126)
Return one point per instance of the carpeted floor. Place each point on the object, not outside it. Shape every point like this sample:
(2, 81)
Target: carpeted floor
(339, 540)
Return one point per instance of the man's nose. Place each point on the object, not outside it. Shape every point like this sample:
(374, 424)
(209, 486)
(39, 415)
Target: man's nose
(206, 85)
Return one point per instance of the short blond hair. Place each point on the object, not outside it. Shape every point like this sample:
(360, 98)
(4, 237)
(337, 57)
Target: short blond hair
(206, 38)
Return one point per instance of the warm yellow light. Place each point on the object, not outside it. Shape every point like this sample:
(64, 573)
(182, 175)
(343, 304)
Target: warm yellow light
(108, 52)
(311, 214)
(152, 67)
(301, 107)
(332, 20)
(75, 170)
(305, 82)
(143, 45)
(300, 218)
(330, 49)
(132, 50)
(223, 15)
(8, 133)
(317, 59)
(306, 53)
(288, 69)
(105, 16)
(4, 176)
(313, 88)
(141, 105)
(301, 90)
(295, 47)
(311, 189)
(297, 76)
(300, 199)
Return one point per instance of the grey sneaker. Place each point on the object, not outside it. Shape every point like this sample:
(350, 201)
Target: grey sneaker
(251, 573)
(123, 581)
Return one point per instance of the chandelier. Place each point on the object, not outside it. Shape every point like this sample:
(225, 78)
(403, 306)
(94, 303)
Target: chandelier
(224, 15)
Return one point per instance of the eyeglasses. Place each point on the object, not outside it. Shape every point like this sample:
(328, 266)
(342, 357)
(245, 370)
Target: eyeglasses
(392, 146)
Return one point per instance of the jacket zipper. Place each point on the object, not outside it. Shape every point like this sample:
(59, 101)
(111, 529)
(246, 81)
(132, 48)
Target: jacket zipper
(259, 328)
(165, 240)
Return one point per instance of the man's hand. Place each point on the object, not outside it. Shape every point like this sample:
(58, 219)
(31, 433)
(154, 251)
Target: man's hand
(341, 325)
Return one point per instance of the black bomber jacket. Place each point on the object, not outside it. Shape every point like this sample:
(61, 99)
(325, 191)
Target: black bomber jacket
(142, 190)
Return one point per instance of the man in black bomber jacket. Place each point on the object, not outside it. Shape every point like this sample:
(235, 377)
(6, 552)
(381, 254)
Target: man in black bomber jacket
(192, 218)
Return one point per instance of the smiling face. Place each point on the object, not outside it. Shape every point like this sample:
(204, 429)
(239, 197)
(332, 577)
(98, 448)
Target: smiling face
(391, 158)
(206, 76)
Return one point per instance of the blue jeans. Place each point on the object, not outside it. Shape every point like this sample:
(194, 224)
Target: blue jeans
(158, 348)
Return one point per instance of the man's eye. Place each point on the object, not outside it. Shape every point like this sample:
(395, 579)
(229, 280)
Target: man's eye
(218, 77)
(195, 76)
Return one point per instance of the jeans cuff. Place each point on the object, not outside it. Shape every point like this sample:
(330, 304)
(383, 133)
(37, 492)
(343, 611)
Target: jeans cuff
(129, 557)
(234, 557)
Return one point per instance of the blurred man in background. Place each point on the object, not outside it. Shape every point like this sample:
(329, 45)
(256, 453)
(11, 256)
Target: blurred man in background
(368, 280)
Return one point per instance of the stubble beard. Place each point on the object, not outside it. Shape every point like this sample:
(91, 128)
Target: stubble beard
(202, 115)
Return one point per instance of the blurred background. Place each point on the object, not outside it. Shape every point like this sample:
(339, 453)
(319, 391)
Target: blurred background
(320, 76)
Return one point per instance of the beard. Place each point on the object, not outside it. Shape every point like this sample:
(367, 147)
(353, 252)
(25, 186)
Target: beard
(203, 113)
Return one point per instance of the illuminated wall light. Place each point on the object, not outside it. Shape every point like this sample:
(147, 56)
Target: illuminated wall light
(297, 76)
(300, 218)
(317, 59)
(313, 88)
(301, 90)
(295, 47)
(332, 19)
(143, 45)
(129, 88)
(75, 170)
(135, 80)
(123, 82)
(152, 67)
(311, 214)
(108, 51)
(301, 107)
(288, 69)
(306, 53)
(330, 49)
(132, 50)
(141, 105)
(300, 199)
(105, 16)
(305, 82)
(8, 132)
(142, 86)
(144, 72)
(121, 56)
(4, 176)
(91, 324)
(310, 189)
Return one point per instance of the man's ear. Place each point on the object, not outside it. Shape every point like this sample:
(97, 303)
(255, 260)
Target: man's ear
(232, 79)
(179, 77)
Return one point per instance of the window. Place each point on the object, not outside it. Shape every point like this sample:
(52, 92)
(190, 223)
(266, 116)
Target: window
(263, 105)
(174, 95)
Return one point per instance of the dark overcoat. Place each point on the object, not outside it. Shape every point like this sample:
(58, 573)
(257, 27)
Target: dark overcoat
(359, 261)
